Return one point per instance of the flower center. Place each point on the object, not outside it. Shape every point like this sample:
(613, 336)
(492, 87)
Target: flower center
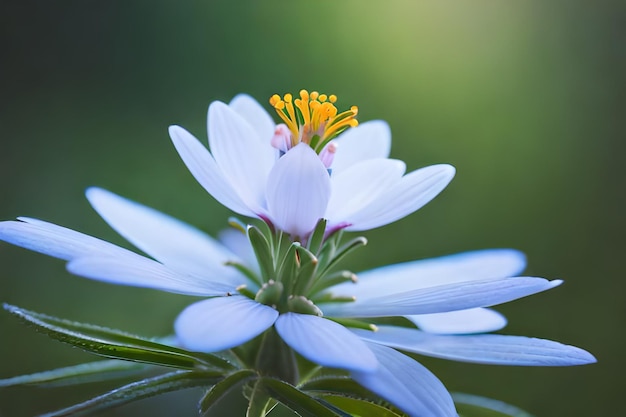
(312, 119)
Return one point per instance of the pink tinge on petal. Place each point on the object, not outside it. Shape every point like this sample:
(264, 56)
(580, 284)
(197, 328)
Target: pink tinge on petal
(282, 138)
(327, 156)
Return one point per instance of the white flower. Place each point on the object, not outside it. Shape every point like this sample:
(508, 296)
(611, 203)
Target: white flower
(446, 297)
(348, 180)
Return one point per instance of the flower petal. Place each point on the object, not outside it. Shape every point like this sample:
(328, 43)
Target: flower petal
(368, 140)
(237, 242)
(359, 185)
(168, 240)
(325, 342)
(255, 115)
(492, 349)
(222, 323)
(298, 191)
(406, 384)
(56, 241)
(424, 273)
(474, 320)
(442, 298)
(204, 169)
(244, 160)
(139, 271)
(410, 194)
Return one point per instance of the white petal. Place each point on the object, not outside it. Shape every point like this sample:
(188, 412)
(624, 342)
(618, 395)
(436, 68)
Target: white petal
(359, 185)
(222, 323)
(443, 298)
(298, 191)
(325, 342)
(255, 115)
(492, 349)
(243, 159)
(204, 169)
(410, 194)
(408, 276)
(139, 271)
(474, 320)
(368, 140)
(168, 240)
(407, 384)
(57, 241)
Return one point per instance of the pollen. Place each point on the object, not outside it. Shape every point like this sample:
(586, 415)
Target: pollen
(312, 118)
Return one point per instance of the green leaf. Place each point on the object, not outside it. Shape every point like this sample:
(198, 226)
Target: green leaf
(473, 405)
(298, 401)
(145, 388)
(116, 344)
(259, 402)
(360, 408)
(263, 252)
(343, 251)
(78, 374)
(222, 388)
(342, 385)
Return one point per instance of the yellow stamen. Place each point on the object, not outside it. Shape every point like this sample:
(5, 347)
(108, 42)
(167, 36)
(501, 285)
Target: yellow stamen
(313, 118)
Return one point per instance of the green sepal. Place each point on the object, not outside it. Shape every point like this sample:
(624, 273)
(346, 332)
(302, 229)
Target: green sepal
(288, 267)
(317, 237)
(359, 407)
(305, 274)
(222, 388)
(145, 388)
(263, 252)
(338, 277)
(77, 374)
(298, 401)
(270, 293)
(344, 250)
(116, 344)
(469, 405)
(250, 274)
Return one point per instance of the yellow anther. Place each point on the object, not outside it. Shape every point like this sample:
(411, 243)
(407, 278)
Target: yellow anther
(313, 118)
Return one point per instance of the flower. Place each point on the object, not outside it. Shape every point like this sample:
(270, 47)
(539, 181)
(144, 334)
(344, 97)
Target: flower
(319, 164)
(445, 297)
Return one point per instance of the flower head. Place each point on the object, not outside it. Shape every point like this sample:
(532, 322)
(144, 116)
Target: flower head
(318, 163)
(327, 317)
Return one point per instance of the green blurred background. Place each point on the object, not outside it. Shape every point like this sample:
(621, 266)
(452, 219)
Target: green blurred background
(524, 98)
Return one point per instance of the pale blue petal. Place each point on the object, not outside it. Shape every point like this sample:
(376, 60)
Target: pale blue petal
(298, 191)
(138, 271)
(222, 323)
(237, 242)
(408, 276)
(443, 298)
(492, 349)
(325, 342)
(204, 169)
(474, 320)
(410, 194)
(255, 115)
(244, 160)
(170, 241)
(359, 185)
(368, 140)
(407, 385)
(56, 241)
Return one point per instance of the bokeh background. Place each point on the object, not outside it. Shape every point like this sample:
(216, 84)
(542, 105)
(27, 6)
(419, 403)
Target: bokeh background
(525, 98)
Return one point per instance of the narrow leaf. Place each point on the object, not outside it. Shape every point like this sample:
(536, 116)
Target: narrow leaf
(337, 385)
(145, 388)
(357, 407)
(78, 374)
(222, 388)
(298, 401)
(116, 344)
(259, 402)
